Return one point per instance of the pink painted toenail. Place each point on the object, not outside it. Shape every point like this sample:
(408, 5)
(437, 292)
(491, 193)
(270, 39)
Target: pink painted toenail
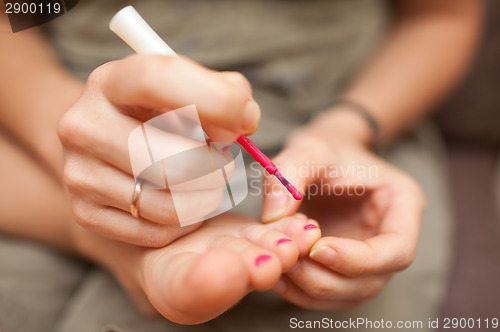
(261, 259)
(310, 226)
(280, 241)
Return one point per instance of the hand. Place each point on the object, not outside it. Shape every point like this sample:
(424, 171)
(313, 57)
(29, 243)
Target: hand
(119, 97)
(369, 213)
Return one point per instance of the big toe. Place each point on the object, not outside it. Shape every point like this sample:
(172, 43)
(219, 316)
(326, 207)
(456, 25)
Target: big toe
(191, 288)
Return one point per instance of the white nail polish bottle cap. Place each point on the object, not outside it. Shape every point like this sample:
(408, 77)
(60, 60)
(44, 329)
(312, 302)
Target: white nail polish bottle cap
(132, 28)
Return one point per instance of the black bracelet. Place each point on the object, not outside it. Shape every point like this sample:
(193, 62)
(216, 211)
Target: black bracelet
(365, 114)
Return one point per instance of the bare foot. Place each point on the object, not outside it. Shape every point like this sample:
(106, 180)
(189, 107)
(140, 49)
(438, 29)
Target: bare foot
(203, 274)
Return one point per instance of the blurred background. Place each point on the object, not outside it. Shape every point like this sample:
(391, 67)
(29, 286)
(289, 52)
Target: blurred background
(460, 242)
(470, 124)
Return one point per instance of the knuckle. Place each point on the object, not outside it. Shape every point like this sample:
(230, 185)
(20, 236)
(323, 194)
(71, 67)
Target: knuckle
(101, 73)
(319, 289)
(231, 97)
(67, 128)
(74, 176)
(95, 77)
(71, 177)
(99, 76)
(240, 81)
(374, 290)
(257, 232)
(145, 72)
(359, 269)
(252, 229)
(406, 259)
(158, 237)
(82, 216)
(76, 128)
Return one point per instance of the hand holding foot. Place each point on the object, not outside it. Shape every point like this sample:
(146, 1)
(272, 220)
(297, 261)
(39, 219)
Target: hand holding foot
(203, 274)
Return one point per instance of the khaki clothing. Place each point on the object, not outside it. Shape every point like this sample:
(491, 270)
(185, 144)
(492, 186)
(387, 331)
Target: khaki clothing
(298, 55)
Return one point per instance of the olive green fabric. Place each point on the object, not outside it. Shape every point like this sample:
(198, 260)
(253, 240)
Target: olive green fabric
(298, 54)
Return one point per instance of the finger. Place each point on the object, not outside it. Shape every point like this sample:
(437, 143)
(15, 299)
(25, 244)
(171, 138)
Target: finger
(110, 187)
(321, 283)
(393, 249)
(120, 225)
(223, 100)
(295, 164)
(290, 292)
(120, 141)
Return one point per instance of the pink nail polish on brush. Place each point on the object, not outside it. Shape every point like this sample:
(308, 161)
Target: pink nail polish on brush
(268, 165)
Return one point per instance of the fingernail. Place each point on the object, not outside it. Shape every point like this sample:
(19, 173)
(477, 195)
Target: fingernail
(310, 226)
(277, 207)
(225, 148)
(280, 286)
(261, 259)
(221, 147)
(324, 255)
(252, 116)
(280, 241)
(273, 215)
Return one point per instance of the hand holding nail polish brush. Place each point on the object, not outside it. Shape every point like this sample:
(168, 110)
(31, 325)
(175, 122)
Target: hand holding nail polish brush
(132, 28)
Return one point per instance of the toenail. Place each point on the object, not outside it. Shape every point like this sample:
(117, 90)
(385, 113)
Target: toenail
(310, 226)
(283, 240)
(261, 259)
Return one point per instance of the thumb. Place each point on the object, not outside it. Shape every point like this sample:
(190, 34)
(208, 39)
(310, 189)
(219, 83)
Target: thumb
(278, 202)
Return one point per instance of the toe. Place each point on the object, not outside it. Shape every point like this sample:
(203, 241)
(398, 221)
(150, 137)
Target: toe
(305, 232)
(192, 288)
(263, 266)
(268, 238)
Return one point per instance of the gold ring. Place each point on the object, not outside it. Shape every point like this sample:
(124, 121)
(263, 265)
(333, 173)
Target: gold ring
(134, 205)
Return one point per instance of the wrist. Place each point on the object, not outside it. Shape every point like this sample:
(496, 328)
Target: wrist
(345, 124)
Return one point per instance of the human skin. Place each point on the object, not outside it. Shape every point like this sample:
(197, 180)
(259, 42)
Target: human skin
(367, 238)
(398, 86)
(190, 281)
(95, 131)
